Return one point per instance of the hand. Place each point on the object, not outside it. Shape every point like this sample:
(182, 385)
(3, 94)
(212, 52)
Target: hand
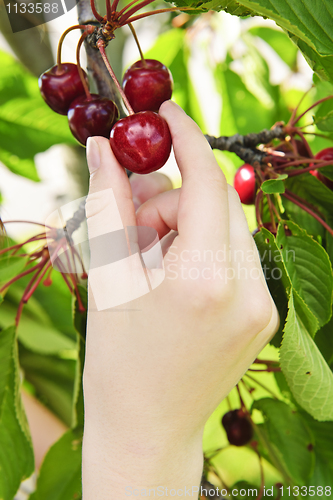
(158, 366)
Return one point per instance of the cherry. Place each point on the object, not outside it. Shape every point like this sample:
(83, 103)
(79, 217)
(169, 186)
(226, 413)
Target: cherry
(323, 155)
(238, 427)
(60, 85)
(95, 116)
(286, 147)
(141, 142)
(245, 184)
(147, 83)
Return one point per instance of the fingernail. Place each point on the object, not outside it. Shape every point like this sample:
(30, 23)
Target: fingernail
(93, 155)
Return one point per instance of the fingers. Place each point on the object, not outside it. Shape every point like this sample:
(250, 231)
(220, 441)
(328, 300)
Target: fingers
(147, 186)
(203, 204)
(160, 212)
(109, 204)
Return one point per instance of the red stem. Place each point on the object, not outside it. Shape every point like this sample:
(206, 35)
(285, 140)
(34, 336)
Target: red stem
(134, 9)
(311, 107)
(321, 164)
(94, 11)
(257, 208)
(152, 13)
(21, 275)
(27, 222)
(27, 296)
(101, 47)
(108, 10)
(287, 194)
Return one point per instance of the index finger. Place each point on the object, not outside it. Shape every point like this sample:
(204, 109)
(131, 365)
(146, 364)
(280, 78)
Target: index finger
(203, 218)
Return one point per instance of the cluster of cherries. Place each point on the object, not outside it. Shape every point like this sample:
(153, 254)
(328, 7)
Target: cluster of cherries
(246, 182)
(238, 427)
(141, 141)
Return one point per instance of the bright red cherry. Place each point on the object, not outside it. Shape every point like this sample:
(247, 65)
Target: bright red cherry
(95, 116)
(141, 142)
(245, 184)
(238, 427)
(147, 84)
(60, 85)
(323, 155)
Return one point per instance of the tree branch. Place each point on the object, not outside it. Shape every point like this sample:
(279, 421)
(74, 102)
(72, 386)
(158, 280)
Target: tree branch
(96, 67)
(245, 145)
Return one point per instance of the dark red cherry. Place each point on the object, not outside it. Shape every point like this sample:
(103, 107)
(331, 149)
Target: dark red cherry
(240, 433)
(59, 86)
(92, 117)
(228, 418)
(323, 155)
(245, 184)
(147, 84)
(141, 142)
(238, 427)
(287, 147)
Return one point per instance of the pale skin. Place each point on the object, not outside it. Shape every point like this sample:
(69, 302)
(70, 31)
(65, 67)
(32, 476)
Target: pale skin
(156, 368)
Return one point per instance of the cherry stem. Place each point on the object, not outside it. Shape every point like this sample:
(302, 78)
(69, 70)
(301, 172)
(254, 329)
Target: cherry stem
(271, 212)
(262, 476)
(257, 208)
(289, 196)
(311, 107)
(268, 369)
(261, 385)
(101, 47)
(80, 70)
(243, 407)
(19, 276)
(292, 118)
(27, 296)
(27, 222)
(134, 9)
(94, 11)
(152, 13)
(265, 361)
(108, 10)
(131, 27)
(114, 5)
(313, 166)
(76, 27)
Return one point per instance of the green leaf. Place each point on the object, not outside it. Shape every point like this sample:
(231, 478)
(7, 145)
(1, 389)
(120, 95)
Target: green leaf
(324, 116)
(309, 269)
(276, 276)
(279, 42)
(288, 438)
(36, 332)
(60, 474)
(313, 191)
(10, 266)
(273, 186)
(323, 437)
(80, 323)
(16, 453)
(53, 380)
(27, 125)
(308, 375)
(307, 23)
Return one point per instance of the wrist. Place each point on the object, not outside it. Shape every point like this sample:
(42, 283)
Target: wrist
(118, 465)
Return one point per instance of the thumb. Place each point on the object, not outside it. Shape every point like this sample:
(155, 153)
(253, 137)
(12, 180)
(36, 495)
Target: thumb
(110, 214)
(109, 205)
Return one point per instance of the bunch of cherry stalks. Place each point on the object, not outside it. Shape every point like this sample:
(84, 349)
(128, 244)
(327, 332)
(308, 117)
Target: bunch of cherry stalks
(141, 141)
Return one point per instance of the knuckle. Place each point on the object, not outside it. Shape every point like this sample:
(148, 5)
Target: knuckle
(259, 310)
